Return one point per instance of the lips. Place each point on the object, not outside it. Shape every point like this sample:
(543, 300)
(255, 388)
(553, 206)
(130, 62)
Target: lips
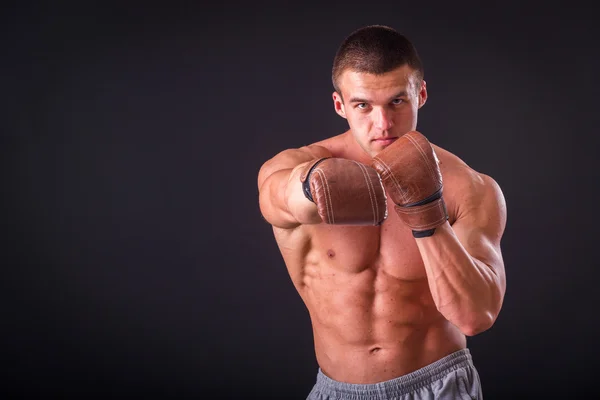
(385, 140)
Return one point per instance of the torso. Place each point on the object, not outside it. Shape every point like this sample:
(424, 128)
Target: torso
(367, 293)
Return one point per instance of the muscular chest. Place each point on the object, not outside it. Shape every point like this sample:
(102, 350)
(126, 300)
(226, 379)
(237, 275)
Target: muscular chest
(399, 255)
(389, 248)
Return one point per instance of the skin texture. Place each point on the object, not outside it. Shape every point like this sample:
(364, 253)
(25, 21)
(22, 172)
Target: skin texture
(382, 303)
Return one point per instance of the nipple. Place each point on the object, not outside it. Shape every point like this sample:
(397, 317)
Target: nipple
(330, 253)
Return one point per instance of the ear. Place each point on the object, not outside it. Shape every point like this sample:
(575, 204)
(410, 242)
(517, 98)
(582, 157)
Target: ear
(422, 93)
(338, 104)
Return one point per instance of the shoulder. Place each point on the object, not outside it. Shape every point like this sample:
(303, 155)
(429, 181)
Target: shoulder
(469, 191)
(323, 148)
(336, 146)
(292, 157)
(457, 172)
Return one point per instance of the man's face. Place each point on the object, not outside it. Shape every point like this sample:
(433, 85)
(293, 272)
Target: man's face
(379, 108)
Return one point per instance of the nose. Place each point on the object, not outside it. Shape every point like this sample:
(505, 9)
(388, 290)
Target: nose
(383, 119)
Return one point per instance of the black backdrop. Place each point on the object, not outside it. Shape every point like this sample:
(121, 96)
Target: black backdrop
(135, 257)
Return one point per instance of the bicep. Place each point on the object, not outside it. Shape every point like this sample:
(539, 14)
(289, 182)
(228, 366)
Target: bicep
(481, 222)
(273, 179)
(272, 200)
(288, 160)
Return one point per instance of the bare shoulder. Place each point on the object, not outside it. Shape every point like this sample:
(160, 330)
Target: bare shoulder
(290, 158)
(458, 174)
(470, 192)
(335, 145)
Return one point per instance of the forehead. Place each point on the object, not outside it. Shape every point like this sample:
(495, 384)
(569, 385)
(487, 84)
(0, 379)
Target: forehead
(401, 78)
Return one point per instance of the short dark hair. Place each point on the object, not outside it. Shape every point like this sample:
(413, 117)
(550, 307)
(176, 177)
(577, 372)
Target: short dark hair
(375, 49)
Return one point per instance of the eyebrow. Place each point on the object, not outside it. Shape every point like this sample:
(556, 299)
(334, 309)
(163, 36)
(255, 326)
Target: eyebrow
(361, 100)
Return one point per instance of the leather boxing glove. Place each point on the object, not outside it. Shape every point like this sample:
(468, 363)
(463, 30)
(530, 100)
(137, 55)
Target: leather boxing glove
(411, 175)
(346, 192)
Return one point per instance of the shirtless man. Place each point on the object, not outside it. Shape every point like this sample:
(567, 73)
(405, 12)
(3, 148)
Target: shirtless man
(392, 242)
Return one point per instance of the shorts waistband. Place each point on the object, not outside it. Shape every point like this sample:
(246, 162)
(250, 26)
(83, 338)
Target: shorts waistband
(398, 386)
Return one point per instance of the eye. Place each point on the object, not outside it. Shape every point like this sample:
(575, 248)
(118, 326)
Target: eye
(397, 102)
(361, 106)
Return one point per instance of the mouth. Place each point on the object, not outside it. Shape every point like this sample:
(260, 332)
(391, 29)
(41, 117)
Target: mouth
(385, 140)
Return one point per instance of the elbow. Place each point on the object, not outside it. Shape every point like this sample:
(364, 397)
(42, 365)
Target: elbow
(481, 317)
(477, 324)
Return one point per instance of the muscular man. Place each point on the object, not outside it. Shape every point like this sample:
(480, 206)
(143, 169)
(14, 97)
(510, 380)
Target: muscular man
(392, 242)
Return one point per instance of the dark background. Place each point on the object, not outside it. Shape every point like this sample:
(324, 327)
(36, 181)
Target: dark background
(136, 261)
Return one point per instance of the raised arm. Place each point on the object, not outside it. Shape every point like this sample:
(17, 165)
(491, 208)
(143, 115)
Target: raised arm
(309, 186)
(464, 262)
(282, 202)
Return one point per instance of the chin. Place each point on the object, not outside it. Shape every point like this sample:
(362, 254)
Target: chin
(376, 148)
(373, 152)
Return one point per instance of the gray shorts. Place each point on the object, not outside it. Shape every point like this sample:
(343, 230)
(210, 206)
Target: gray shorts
(451, 377)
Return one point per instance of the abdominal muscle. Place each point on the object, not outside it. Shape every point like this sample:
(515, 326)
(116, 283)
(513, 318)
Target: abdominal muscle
(367, 293)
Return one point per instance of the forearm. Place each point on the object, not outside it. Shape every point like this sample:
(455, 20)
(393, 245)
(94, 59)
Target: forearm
(303, 210)
(466, 291)
(283, 202)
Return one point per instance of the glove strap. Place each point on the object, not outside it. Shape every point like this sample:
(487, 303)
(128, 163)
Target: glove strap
(422, 234)
(305, 177)
(424, 218)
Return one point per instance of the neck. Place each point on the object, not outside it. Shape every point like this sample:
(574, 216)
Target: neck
(355, 151)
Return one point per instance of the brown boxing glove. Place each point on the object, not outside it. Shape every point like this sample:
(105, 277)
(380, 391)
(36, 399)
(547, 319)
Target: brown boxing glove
(411, 175)
(346, 192)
